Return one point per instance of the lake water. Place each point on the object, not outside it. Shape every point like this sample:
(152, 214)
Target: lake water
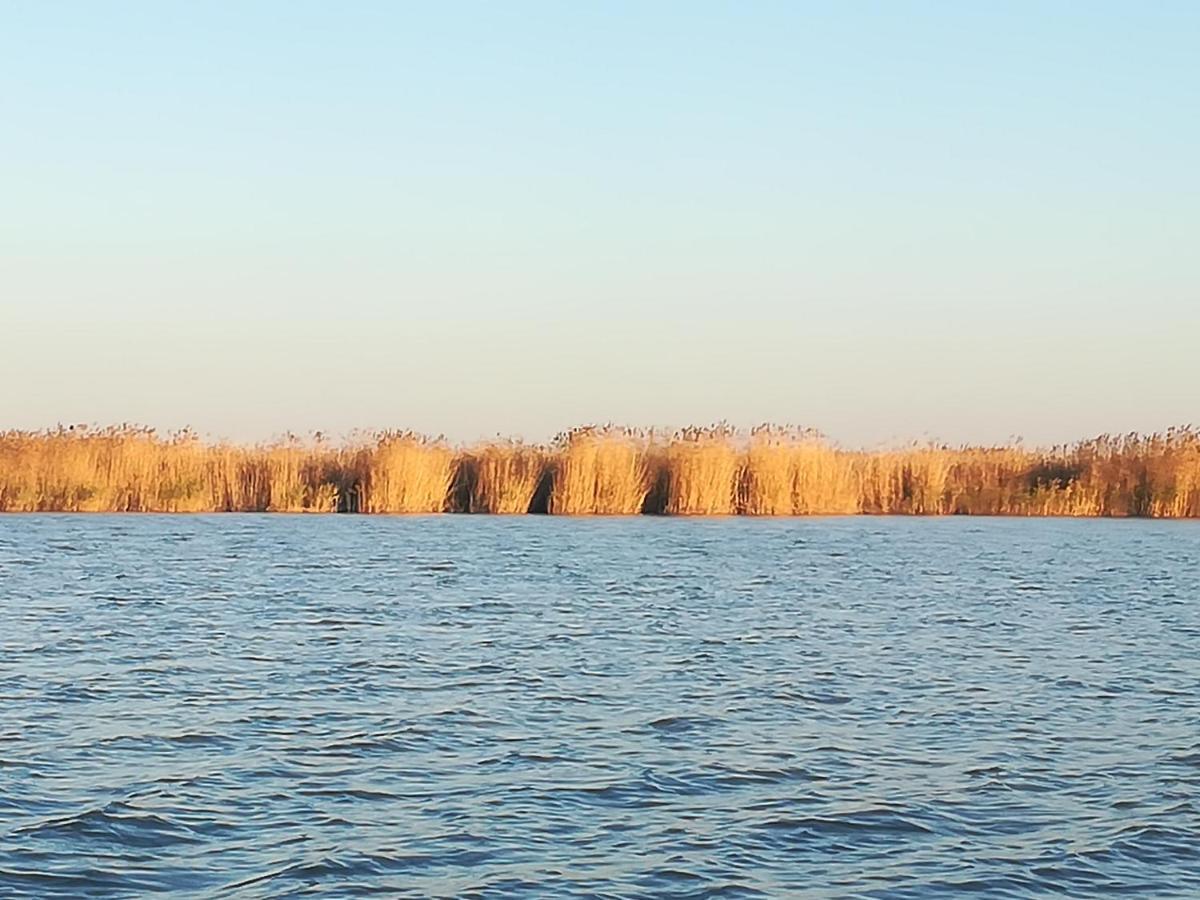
(458, 706)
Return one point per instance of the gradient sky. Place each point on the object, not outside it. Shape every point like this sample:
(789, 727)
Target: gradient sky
(966, 221)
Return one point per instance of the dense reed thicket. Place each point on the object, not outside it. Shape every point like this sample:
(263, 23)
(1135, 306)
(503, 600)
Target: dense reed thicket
(502, 478)
(601, 471)
(700, 473)
(597, 471)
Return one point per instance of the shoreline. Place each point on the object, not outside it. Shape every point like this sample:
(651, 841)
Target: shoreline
(598, 471)
(590, 517)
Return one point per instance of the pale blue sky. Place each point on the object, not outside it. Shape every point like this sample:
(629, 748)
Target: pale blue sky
(884, 220)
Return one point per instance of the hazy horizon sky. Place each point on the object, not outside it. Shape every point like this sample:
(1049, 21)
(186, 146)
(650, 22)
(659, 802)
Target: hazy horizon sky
(884, 221)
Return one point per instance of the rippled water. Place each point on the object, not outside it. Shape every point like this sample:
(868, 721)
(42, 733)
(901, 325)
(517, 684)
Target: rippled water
(474, 706)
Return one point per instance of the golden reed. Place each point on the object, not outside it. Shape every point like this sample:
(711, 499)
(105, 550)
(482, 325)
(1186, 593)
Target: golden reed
(600, 471)
(710, 471)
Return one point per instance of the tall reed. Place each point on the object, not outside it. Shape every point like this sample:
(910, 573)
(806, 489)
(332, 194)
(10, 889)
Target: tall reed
(789, 471)
(601, 471)
(597, 471)
(404, 473)
(701, 467)
(768, 483)
(502, 477)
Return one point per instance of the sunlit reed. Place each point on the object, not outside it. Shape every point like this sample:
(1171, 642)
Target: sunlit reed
(502, 477)
(600, 471)
(596, 471)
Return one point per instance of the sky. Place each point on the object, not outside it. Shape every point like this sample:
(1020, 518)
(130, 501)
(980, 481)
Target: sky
(969, 222)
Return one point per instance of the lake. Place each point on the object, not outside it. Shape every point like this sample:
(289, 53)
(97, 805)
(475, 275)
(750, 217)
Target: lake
(270, 705)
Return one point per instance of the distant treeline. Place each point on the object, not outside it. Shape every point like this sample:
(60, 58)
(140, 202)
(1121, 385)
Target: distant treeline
(712, 471)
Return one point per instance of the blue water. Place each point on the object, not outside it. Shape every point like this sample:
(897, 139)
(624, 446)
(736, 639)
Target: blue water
(269, 706)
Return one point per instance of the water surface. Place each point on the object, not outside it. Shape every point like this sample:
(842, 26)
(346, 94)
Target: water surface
(457, 706)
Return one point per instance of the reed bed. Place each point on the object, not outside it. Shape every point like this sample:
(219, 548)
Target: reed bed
(404, 472)
(501, 478)
(791, 472)
(601, 471)
(701, 467)
(597, 471)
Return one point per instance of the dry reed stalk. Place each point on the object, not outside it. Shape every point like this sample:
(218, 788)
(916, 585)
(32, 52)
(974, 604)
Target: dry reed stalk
(827, 480)
(132, 470)
(601, 471)
(503, 477)
(768, 483)
(903, 482)
(405, 473)
(788, 471)
(598, 471)
(701, 467)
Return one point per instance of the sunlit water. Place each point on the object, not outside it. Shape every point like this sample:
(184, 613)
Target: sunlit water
(472, 706)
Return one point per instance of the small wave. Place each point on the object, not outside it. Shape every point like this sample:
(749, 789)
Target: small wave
(347, 794)
(350, 866)
(873, 821)
(677, 724)
(117, 824)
